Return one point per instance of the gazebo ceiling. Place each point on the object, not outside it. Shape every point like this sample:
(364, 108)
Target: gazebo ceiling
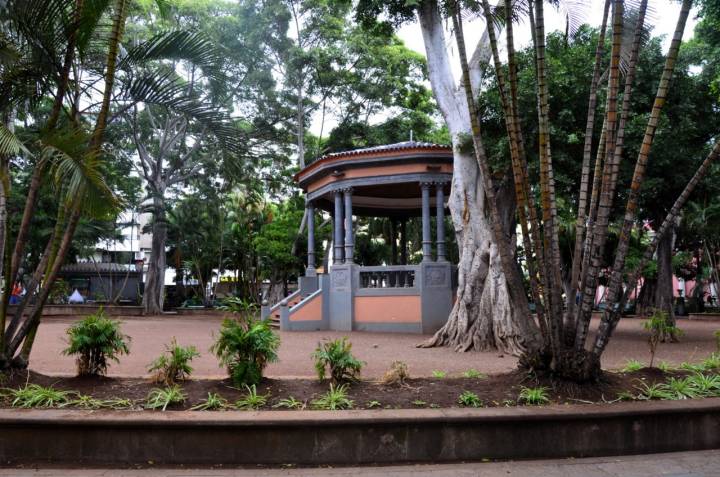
(385, 179)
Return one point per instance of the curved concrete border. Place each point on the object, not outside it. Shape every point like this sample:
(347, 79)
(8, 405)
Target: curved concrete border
(357, 437)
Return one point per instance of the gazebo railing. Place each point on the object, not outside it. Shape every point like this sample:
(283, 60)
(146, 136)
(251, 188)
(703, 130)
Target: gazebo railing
(388, 277)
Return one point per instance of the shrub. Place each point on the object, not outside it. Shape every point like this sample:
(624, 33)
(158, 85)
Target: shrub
(33, 395)
(397, 374)
(439, 374)
(245, 348)
(660, 329)
(174, 364)
(162, 398)
(334, 400)
(96, 340)
(251, 400)
(337, 356)
(533, 396)
(469, 399)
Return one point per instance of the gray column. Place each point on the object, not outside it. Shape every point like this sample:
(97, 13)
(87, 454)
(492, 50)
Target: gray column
(440, 219)
(426, 234)
(310, 210)
(349, 243)
(339, 241)
(403, 241)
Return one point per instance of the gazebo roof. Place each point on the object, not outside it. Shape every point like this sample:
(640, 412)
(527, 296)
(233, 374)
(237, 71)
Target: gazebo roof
(385, 179)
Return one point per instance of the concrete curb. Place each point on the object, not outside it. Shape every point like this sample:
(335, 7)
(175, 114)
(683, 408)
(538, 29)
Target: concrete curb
(357, 437)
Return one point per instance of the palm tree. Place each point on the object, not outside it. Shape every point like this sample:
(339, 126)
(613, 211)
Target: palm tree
(54, 44)
(564, 351)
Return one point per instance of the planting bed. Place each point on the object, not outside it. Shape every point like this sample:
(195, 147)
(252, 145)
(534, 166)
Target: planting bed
(494, 390)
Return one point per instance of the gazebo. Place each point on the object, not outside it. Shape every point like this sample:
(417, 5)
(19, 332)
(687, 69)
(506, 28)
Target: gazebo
(398, 181)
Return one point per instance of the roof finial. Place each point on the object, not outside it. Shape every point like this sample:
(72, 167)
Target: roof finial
(411, 133)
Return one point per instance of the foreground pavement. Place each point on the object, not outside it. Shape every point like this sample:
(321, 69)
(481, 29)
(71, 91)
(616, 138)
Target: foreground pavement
(679, 464)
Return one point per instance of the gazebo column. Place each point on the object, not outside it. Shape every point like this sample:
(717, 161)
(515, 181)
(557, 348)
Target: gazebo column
(440, 219)
(426, 235)
(403, 241)
(349, 243)
(310, 210)
(338, 229)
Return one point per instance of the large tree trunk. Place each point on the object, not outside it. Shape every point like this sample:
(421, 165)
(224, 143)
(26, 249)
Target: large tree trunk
(664, 290)
(485, 315)
(154, 285)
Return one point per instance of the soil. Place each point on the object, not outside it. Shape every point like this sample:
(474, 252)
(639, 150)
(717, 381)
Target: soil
(494, 390)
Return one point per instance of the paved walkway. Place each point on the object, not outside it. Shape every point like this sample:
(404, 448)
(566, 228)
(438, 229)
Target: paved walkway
(681, 464)
(149, 335)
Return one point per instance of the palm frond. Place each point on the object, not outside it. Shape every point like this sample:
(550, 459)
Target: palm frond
(631, 16)
(76, 172)
(166, 89)
(10, 145)
(191, 46)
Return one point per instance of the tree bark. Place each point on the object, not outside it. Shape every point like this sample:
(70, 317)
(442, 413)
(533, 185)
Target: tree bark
(153, 297)
(664, 290)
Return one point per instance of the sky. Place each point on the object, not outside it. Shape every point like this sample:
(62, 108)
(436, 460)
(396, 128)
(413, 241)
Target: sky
(663, 17)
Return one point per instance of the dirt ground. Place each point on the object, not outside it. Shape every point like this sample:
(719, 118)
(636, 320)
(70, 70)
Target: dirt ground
(493, 390)
(150, 334)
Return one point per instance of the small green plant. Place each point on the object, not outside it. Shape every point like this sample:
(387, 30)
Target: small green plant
(174, 364)
(712, 363)
(336, 356)
(652, 391)
(334, 400)
(34, 395)
(660, 329)
(95, 340)
(474, 374)
(242, 307)
(469, 399)
(289, 403)
(706, 385)
(214, 402)
(696, 368)
(162, 398)
(245, 347)
(664, 366)
(681, 388)
(626, 396)
(119, 403)
(533, 396)
(85, 401)
(439, 374)
(632, 365)
(373, 405)
(434, 406)
(251, 400)
(419, 403)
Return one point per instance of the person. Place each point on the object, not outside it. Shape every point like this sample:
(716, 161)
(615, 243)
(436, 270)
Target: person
(16, 293)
